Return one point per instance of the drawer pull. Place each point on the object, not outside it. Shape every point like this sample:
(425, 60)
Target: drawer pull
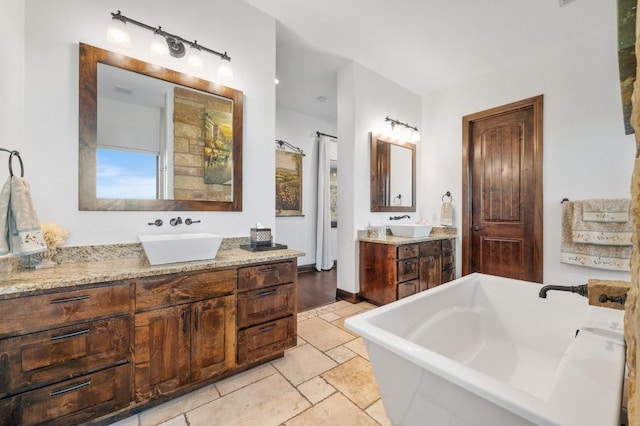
(185, 323)
(72, 334)
(268, 292)
(70, 299)
(70, 388)
(197, 319)
(267, 328)
(267, 269)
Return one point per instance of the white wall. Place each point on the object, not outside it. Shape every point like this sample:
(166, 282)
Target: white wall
(53, 30)
(11, 80)
(300, 232)
(364, 100)
(586, 153)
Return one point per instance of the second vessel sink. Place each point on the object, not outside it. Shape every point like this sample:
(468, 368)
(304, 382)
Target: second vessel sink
(171, 248)
(414, 230)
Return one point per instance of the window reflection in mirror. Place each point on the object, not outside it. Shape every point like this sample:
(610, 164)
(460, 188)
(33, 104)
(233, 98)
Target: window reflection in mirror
(392, 175)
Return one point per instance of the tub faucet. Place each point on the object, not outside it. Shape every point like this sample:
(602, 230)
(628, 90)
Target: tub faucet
(400, 217)
(582, 290)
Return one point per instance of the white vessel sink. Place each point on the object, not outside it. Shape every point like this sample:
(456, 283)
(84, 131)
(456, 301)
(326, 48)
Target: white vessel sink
(171, 248)
(410, 230)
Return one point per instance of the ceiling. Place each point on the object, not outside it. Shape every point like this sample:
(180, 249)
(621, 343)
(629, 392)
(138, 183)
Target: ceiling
(422, 45)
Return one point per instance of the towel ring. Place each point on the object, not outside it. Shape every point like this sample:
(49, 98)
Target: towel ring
(447, 194)
(11, 155)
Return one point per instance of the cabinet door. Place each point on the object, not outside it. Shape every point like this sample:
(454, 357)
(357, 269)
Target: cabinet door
(212, 337)
(161, 351)
(430, 272)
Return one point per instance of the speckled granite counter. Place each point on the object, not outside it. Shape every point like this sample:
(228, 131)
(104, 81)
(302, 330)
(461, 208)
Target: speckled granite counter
(437, 233)
(13, 284)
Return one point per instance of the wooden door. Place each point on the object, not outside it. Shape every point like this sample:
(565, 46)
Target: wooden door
(162, 351)
(502, 216)
(212, 337)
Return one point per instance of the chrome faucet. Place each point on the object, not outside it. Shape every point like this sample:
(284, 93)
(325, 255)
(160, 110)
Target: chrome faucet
(582, 290)
(399, 217)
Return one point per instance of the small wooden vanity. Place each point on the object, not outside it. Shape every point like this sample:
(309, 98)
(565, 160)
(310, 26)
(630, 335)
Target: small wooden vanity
(73, 351)
(397, 267)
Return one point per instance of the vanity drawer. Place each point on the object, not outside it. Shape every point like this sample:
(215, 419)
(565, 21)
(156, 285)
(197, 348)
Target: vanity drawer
(407, 288)
(266, 304)
(448, 275)
(407, 251)
(167, 290)
(430, 248)
(70, 402)
(266, 340)
(34, 313)
(408, 269)
(41, 358)
(448, 245)
(253, 277)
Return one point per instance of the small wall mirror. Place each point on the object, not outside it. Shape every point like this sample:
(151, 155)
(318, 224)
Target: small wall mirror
(155, 139)
(393, 175)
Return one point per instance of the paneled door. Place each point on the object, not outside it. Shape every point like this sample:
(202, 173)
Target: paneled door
(502, 216)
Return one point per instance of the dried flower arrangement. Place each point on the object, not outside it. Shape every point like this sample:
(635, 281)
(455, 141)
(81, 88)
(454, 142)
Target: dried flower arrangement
(54, 234)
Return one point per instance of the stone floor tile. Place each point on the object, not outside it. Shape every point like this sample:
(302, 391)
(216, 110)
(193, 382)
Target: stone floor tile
(376, 411)
(340, 324)
(347, 311)
(129, 421)
(341, 354)
(245, 378)
(268, 402)
(335, 410)
(176, 421)
(322, 335)
(358, 347)
(355, 380)
(368, 306)
(329, 316)
(316, 389)
(303, 363)
(178, 406)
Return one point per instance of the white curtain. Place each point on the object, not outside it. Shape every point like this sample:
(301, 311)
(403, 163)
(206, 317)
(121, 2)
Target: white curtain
(324, 258)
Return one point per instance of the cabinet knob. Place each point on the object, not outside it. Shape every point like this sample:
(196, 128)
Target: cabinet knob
(476, 228)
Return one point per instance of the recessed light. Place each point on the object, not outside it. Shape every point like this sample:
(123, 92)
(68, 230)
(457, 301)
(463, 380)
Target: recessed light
(321, 98)
(277, 81)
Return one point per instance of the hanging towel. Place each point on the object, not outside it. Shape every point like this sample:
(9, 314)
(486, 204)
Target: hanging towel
(602, 233)
(446, 214)
(615, 257)
(614, 210)
(19, 225)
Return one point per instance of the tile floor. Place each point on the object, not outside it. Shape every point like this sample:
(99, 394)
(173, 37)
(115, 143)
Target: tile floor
(325, 380)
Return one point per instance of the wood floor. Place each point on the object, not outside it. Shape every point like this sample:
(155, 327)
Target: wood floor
(316, 289)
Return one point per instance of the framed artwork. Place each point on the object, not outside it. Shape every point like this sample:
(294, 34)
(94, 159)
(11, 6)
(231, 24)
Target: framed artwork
(288, 183)
(333, 193)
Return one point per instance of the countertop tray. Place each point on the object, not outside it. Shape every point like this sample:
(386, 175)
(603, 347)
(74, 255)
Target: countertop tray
(274, 246)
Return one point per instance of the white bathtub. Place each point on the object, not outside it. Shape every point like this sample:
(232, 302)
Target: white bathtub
(485, 350)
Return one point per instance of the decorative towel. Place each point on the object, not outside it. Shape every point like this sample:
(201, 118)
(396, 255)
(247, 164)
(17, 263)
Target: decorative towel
(601, 233)
(19, 225)
(614, 210)
(615, 257)
(446, 214)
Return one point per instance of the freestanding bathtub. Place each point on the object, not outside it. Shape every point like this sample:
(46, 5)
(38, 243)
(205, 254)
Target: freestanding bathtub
(485, 350)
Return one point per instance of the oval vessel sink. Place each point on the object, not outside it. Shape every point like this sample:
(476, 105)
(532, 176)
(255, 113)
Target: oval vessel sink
(171, 248)
(410, 230)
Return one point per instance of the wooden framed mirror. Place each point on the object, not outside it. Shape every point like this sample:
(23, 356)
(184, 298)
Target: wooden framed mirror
(393, 175)
(155, 139)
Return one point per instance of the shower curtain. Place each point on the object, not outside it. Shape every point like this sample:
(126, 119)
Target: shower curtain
(324, 258)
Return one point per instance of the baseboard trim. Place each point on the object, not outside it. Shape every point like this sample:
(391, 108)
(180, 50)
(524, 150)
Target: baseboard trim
(348, 296)
(312, 267)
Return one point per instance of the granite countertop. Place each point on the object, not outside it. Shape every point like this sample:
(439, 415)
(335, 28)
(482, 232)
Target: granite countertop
(14, 284)
(397, 241)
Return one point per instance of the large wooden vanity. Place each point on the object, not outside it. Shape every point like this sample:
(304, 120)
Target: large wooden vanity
(78, 347)
(397, 267)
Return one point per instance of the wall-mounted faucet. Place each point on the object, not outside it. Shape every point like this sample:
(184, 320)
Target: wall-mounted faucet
(400, 217)
(189, 221)
(175, 221)
(158, 222)
(582, 290)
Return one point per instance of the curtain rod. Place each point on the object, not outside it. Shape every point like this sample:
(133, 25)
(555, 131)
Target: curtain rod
(326, 134)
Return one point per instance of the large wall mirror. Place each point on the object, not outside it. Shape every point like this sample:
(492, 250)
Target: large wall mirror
(155, 139)
(393, 175)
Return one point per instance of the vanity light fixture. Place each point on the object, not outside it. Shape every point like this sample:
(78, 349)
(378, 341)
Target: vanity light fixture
(165, 44)
(399, 130)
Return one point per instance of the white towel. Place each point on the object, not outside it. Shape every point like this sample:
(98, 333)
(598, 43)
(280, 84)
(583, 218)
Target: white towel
(446, 214)
(19, 225)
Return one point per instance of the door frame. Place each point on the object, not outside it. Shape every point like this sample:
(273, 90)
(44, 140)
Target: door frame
(536, 103)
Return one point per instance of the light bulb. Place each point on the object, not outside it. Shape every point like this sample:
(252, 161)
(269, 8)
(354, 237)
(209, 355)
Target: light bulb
(158, 46)
(225, 72)
(195, 59)
(406, 134)
(387, 129)
(397, 131)
(118, 34)
(415, 136)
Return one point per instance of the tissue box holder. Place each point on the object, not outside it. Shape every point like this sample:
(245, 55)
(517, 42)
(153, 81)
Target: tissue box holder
(260, 237)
